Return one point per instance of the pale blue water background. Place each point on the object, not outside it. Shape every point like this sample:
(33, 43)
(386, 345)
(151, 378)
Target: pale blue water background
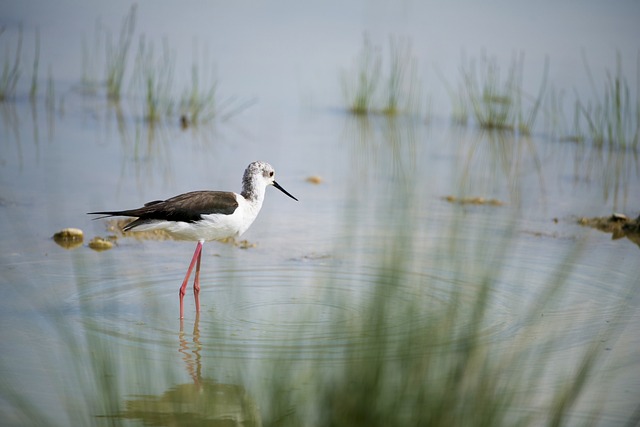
(288, 58)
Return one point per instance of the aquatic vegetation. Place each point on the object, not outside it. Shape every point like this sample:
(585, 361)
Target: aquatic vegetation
(403, 87)
(460, 113)
(459, 103)
(33, 91)
(154, 78)
(438, 369)
(612, 119)
(492, 100)
(360, 93)
(198, 103)
(556, 124)
(200, 100)
(10, 70)
(50, 95)
(420, 349)
(434, 338)
(117, 55)
(609, 118)
(91, 81)
(369, 90)
(497, 102)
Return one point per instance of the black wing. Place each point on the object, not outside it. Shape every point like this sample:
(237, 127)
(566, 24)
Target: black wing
(187, 207)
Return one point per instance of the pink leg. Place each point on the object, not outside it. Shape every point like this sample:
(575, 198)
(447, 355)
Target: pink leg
(196, 283)
(183, 288)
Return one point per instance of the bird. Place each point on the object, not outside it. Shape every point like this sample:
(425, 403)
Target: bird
(204, 216)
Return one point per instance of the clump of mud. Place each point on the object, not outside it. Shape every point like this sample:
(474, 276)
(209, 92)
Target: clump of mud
(473, 201)
(102, 244)
(618, 225)
(314, 179)
(69, 238)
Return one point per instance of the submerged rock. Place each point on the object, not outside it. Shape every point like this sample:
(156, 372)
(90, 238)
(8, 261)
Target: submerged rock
(100, 244)
(69, 238)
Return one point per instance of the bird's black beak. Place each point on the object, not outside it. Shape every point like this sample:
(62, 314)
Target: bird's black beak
(275, 184)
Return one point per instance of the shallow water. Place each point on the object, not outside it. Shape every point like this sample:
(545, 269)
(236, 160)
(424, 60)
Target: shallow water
(298, 304)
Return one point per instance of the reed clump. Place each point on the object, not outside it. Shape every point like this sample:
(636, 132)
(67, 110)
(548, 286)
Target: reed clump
(499, 102)
(612, 119)
(152, 81)
(10, 70)
(33, 91)
(383, 84)
(198, 100)
(439, 369)
(117, 55)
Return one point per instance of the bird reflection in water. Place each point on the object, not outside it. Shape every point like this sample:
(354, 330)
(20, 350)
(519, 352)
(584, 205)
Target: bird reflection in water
(202, 402)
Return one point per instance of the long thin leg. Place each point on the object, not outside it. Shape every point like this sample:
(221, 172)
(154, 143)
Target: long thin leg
(196, 282)
(183, 288)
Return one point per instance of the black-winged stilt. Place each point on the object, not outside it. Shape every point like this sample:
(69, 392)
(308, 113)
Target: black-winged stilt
(204, 216)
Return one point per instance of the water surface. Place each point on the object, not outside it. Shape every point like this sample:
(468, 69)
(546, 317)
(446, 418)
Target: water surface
(94, 337)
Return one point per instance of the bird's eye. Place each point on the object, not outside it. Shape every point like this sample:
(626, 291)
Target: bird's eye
(271, 173)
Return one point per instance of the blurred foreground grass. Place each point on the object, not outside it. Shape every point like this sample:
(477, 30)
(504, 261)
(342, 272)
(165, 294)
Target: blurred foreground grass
(440, 368)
